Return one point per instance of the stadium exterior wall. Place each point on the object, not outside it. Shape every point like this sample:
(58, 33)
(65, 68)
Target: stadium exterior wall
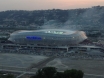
(48, 37)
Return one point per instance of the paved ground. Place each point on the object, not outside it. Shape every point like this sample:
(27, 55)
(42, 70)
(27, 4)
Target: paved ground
(91, 68)
(19, 60)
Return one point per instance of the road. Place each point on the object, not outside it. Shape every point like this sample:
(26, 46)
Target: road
(38, 65)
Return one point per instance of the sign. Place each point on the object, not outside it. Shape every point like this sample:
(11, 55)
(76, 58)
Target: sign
(33, 38)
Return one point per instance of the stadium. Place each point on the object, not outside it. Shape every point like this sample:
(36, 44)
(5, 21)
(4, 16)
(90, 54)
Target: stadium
(49, 41)
(45, 40)
(56, 37)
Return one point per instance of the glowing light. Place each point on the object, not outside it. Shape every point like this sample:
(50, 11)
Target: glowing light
(55, 32)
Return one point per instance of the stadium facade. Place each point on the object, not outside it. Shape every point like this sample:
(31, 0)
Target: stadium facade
(45, 40)
(58, 42)
(56, 37)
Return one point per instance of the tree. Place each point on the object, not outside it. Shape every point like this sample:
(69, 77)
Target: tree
(80, 74)
(46, 72)
(59, 75)
(50, 72)
(67, 73)
(73, 73)
(6, 76)
(10, 76)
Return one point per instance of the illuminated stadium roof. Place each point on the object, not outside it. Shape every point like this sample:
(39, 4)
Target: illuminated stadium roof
(55, 31)
(48, 36)
(49, 31)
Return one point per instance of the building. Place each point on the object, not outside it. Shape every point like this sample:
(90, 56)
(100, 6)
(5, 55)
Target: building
(48, 37)
(45, 39)
(57, 42)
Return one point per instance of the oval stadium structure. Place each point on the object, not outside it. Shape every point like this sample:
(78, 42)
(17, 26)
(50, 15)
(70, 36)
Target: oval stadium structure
(48, 37)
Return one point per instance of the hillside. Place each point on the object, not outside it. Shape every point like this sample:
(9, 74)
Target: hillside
(84, 18)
